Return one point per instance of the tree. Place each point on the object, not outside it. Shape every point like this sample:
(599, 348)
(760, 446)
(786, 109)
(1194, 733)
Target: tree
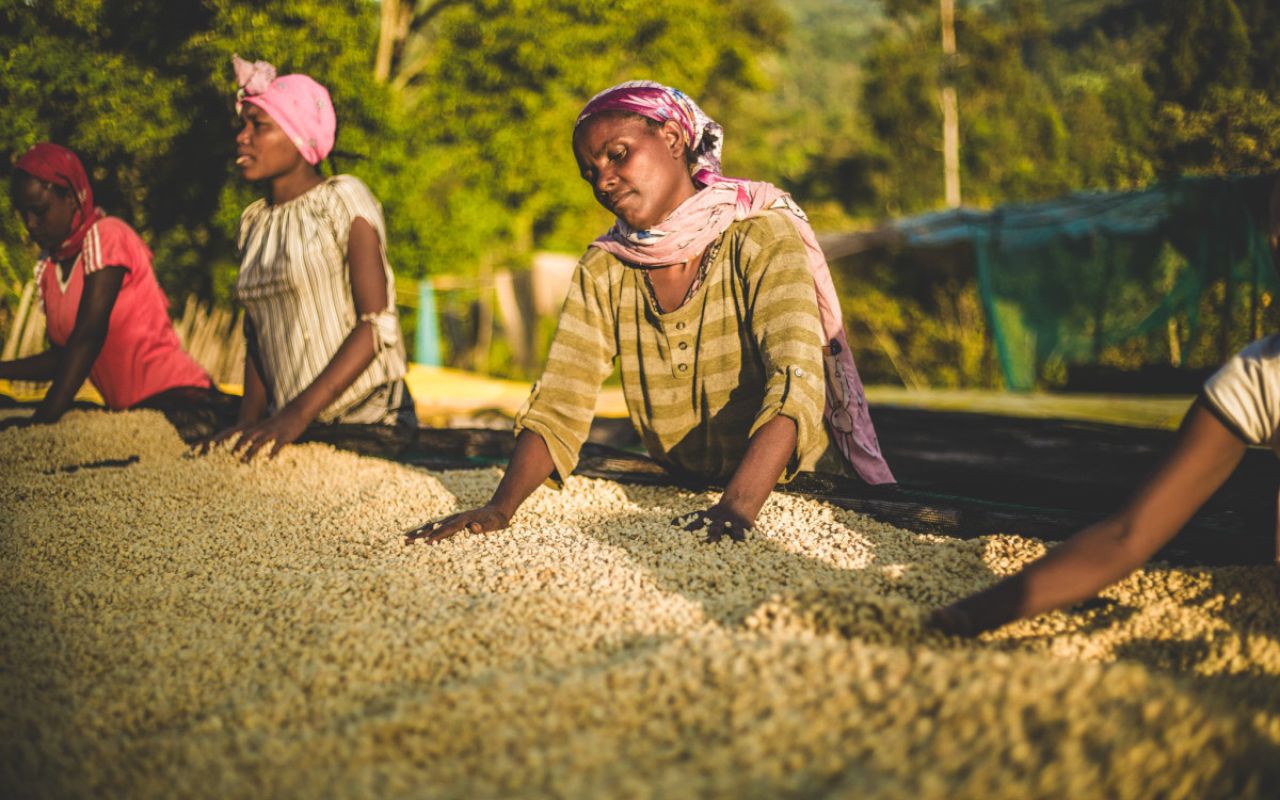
(465, 141)
(500, 82)
(145, 96)
(1207, 47)
(1233, 132)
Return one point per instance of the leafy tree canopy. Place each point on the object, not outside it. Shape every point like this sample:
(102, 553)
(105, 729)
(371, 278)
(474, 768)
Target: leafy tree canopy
(467, 144)
(462, 109)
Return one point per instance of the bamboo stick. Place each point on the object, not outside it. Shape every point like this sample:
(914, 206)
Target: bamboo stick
(12, 341)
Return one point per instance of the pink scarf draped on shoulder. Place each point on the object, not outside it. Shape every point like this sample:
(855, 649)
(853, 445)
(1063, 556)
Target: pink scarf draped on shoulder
(702, 218)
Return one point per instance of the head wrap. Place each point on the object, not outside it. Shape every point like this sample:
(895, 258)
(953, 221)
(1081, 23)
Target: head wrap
(297, 103)
(702, 218)
(58, 166)
(703, 135)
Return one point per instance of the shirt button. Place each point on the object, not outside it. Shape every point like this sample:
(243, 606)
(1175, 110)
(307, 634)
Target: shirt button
(683, 367)
(684, 345)
(679, 326)
(799, 372)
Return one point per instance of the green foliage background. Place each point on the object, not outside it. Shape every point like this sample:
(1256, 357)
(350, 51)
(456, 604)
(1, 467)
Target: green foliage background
(467, 140)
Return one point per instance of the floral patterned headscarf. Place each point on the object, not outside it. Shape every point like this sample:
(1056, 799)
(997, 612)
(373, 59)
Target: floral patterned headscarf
(703, 135)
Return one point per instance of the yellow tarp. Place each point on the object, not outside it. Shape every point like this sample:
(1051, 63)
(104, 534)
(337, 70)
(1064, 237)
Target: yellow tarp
(29, 392)
(445, 392)
(446, 396)
(440, 393)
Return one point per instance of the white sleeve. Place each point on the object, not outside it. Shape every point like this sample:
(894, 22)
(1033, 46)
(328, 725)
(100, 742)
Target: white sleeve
(1245, 393)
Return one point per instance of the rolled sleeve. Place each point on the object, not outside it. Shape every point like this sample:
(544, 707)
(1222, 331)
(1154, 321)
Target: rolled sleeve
(563, 438)
(788, 331)
(795, 393)
(562, 403)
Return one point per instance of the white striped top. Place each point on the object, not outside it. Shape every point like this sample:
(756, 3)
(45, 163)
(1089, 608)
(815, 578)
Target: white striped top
(296, 288)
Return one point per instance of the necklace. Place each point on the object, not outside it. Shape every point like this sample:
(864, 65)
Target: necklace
(708, 256)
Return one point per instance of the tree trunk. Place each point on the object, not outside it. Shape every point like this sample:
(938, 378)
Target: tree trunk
(950, 109)
(387, 32)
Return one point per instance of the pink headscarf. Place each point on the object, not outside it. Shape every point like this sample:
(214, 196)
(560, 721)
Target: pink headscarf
(701, 219)
(59, 166)
(297, 103)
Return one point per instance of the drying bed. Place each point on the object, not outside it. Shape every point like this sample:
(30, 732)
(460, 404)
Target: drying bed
(179, 625)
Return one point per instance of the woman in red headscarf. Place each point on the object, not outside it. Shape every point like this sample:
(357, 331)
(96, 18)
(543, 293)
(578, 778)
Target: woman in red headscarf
(106, 316)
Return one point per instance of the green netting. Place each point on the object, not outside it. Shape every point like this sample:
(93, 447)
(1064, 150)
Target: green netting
(1178, 269)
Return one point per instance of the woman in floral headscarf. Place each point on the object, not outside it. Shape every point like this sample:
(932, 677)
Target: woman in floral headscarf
(105, 314)
(321, 326)
(713, 295)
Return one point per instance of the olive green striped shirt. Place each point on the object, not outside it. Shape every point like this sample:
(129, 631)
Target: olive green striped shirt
(698, 381)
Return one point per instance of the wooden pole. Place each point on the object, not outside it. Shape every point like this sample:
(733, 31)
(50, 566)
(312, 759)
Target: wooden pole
(484, 320)
(950, 109)
(387, 30)
(14, 339)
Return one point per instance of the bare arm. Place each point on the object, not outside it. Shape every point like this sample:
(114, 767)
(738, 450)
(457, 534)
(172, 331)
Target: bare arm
(40, 367)
(530, 465)
(788, 336)
(253, 404)
(1204, 456)
(369, 292)
(767, 455)
(75, 359)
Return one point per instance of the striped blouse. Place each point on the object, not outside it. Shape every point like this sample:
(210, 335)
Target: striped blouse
(295, 287)
(698, 381)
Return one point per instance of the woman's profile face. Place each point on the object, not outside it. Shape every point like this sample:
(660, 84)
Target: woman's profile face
(636, 171)
(46, 213)
(263, 150)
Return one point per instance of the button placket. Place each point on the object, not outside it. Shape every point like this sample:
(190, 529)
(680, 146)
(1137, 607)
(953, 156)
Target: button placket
(680, 349)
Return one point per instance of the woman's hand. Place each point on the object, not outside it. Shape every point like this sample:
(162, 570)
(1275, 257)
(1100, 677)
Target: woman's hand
(277, 430)
(767, 455)
(485, 519)
(953, 621)
(17, 422)
(530, 465)
(222, 436)
(718, 521)
(1205, 454)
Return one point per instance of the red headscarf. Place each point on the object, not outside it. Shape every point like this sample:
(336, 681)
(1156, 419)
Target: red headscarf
(59, 166)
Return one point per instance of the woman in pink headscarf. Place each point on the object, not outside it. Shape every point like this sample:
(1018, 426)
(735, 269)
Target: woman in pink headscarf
(105, 314)
(321, 326)
(712, 295)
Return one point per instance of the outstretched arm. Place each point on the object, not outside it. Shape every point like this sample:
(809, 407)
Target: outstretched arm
(40, 367)
(369, 292)
(555, 421)
(767, 455)
(784, 321)
(1204, 456)
(530, 466)
(253, 402)
(75, 359)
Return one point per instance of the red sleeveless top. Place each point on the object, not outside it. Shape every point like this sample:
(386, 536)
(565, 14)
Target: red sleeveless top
(141, 356)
